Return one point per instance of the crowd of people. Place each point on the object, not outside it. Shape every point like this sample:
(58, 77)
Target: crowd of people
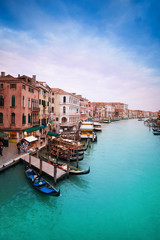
(22, 146)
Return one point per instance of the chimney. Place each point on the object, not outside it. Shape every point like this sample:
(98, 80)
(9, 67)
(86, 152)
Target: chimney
(2, 74)
(34, 78)
(19, 75)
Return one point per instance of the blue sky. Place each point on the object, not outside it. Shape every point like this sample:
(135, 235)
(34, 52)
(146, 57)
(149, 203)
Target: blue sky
(104, 50)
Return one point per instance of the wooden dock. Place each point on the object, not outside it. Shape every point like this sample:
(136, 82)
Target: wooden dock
(46, 167)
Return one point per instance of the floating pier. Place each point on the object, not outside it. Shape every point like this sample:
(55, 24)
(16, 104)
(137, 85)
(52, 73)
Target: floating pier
(46, 167)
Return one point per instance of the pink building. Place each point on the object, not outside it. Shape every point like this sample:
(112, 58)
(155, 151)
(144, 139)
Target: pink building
(83, 108)
(19, 105)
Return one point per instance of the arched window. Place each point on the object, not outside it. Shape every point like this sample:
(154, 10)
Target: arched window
(1, 117)
(12, 118)
(64, 109)
(1, 100)
(13, 101)
(64, 99)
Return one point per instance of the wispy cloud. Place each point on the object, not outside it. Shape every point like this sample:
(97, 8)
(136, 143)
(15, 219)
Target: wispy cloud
(68, 57)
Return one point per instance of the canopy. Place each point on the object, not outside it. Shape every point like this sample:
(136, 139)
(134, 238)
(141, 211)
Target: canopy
(86, 127)
(43, 126)
(32, 129)
(30, 139)
(53, 134)
(51, 122)
(2, 134)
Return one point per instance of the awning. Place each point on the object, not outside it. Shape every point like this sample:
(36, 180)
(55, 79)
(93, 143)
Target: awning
(43, 126)
(32, 129)
(3, 135)
(51, 122)
(53, 134)
(31, 139)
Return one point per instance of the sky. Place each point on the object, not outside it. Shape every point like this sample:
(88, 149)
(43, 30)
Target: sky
(106, 51)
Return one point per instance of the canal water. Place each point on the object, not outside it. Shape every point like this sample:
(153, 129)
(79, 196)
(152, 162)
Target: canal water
(119, 199)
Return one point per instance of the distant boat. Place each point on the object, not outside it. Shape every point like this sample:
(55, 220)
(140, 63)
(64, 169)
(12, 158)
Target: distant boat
(72, 170)
(97, 126)
(39, 183)
(156, 132)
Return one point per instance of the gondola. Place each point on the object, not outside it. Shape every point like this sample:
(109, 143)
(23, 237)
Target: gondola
(157, 132)
(39, 183)
(72, 170)
(64, 157)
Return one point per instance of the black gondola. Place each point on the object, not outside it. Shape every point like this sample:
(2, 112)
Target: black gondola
(39, 183)
(72, 170)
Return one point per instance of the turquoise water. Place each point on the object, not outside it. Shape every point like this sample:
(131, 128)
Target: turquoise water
(119, 199)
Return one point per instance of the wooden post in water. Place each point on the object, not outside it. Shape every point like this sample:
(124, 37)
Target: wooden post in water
(37, 152)
(68, 161)
(40, 171)
(29, 159)
(55, 167)
(77, 158)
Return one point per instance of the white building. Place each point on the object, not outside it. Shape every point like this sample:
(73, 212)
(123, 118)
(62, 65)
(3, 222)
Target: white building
(66, 108)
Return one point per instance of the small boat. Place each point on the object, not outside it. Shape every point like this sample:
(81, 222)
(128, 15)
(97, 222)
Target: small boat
(63, 156)
(97, 126)
(39, 183)
(157, 132)
(72, 170)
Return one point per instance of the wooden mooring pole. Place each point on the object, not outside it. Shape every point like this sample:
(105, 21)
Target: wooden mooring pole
(55, 167)
(68, 162)
(29, 159)
(77, 158)
(40, 171)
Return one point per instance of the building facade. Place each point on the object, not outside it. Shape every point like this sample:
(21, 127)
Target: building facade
(19, 105)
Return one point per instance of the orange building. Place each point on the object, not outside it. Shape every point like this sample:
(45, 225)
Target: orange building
(19, 106)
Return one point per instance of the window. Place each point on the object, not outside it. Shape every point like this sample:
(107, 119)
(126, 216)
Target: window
(1, 117)
(24, 87)
(12, 86)
(64, 109)
(12, 118)
(29, 103)
(13, 101)
(23, 101)
(1, 85)
(1, 100)
(52, 109)
(57, 119)
(64, 99)
(23, 119)
(29, 118)
(39, 101)
(52, 100)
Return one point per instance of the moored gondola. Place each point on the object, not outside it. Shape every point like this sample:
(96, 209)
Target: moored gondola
(72, 170)
(39, 183)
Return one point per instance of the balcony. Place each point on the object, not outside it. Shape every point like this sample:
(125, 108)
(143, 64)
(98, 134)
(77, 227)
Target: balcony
(35, 109)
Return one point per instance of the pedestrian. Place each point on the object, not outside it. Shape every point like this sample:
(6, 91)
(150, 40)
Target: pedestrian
(19, 147)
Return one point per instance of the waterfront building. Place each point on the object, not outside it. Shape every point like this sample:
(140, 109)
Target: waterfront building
(66, 109)
(131, 114)
(19, 106)
(44, 103)
(83, 108)
(109, 111)
(90, 110)
(121, 110)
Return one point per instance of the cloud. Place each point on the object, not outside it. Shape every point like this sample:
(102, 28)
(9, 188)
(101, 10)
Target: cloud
(70, 58)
